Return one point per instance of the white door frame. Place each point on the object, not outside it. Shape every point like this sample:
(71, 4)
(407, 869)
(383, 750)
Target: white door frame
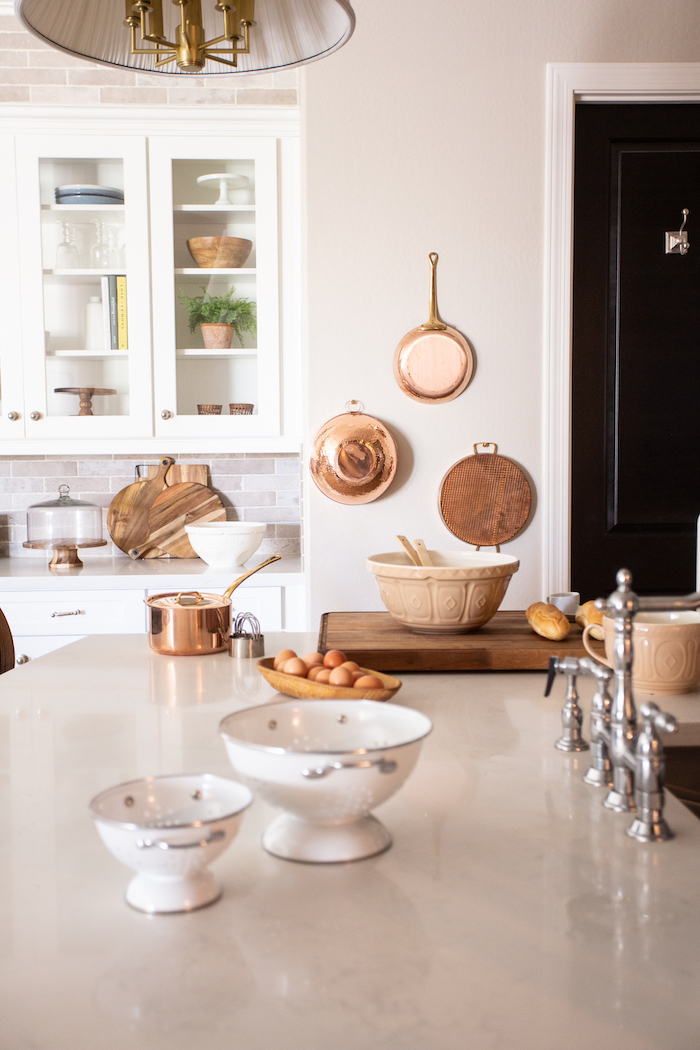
(566, 85)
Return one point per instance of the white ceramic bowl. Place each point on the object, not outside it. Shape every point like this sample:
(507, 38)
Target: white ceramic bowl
(226, 544)
(460, 592)
(327, 763)
(168, 829)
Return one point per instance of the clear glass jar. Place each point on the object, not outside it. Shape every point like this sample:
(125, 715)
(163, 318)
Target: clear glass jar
(64, 520)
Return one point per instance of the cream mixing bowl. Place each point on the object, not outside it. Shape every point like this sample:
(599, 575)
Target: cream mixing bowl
(326, 763)
(459, 592)
(168, 829)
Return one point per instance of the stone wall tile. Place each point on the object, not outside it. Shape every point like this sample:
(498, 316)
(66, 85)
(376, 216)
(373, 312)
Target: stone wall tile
(100, 76)
(45, 469)
(278, 482)
(32, 76)
(266, 97)
(14, 94)
(13, 58)
(119, 96)
(65, 96)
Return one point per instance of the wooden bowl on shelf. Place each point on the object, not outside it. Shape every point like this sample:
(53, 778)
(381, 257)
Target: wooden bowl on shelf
(303, 689)
(224, 253)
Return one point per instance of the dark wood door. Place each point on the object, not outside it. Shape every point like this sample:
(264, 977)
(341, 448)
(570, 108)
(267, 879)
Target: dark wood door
(636, 348)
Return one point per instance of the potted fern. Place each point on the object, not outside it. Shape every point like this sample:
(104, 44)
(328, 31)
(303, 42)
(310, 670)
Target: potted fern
(220, 317)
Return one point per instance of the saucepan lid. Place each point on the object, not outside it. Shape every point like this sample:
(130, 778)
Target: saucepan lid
(353, 457)
(187, 600)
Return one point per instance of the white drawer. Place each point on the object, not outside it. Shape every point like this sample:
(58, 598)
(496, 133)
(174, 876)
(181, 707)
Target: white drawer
(77, 613)
(263, 602)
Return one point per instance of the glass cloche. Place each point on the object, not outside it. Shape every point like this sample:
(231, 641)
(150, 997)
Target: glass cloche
(63, 525)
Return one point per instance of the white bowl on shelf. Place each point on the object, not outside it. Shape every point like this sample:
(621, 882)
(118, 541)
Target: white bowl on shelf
(168, 829)
(226, 544)
(326, 763)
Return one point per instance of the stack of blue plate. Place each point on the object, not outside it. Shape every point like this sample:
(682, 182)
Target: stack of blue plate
(105, 195)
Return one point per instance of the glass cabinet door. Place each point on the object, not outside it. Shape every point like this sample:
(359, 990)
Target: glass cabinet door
(11, 378)
(214, 236)
(84, 261)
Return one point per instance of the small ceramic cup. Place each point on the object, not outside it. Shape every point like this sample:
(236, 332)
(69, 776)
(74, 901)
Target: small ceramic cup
(666, 651)
(567, 602)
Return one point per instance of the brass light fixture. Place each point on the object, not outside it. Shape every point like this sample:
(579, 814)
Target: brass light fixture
(191, 50)
(192, 36)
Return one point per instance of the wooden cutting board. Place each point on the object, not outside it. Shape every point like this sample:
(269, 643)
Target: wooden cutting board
(506, 643)
(172, 509)
(180, 472)
(127, 516)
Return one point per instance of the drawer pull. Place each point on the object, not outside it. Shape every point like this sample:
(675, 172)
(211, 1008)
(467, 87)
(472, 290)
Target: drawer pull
(77, 612)
(23, 659)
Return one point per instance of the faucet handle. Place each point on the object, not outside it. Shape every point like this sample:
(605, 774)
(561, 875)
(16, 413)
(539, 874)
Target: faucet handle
(649, 768)
(655, 721)
(571, 714)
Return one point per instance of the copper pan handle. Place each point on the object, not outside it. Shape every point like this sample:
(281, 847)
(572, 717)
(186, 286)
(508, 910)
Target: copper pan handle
(434, 324)
(229, 590)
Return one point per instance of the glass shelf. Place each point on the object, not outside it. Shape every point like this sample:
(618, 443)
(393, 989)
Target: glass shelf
(204, 271)
(83, 207)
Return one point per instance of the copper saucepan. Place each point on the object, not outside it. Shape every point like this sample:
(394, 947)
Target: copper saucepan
(193, 623)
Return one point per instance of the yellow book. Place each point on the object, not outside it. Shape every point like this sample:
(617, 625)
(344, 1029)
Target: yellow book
(122, 328)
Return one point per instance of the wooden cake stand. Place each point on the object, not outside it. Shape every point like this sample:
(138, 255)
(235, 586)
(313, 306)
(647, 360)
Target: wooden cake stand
(65, 555)
(85, 393)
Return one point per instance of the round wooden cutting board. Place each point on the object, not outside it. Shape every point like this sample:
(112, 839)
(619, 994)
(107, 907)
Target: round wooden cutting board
(485, 499)
(172, 509)
(127, 516)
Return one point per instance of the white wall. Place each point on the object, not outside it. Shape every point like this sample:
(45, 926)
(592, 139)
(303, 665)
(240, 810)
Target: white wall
(429, 136)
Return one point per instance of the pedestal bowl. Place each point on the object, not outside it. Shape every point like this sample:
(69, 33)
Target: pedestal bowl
(327, 764)
(168, 829)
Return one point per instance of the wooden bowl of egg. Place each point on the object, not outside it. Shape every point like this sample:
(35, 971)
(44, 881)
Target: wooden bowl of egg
(325, 677)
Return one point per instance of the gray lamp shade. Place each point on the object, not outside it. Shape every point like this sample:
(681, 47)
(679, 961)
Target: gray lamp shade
(287, 32)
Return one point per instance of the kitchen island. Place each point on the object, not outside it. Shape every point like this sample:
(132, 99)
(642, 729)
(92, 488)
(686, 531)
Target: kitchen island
(511, 912)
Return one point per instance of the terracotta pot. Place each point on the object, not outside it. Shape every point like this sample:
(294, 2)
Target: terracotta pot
(217, 336)
(226, 253)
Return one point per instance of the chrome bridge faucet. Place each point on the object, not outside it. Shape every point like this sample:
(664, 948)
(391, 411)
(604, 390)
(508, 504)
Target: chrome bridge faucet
(627, 760)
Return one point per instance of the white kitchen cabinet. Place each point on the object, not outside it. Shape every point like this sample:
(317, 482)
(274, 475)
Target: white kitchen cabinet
(163, 372)
(107, 596)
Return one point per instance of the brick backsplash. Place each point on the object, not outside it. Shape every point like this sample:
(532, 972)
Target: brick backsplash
(30, 71)
(252, 487)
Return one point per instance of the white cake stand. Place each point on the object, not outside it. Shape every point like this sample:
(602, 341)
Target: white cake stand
(226, 182)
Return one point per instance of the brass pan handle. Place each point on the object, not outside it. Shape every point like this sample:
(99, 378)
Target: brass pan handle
(434, 324)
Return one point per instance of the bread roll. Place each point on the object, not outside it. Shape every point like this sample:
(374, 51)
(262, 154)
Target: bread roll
(548, 621)
(588, 614)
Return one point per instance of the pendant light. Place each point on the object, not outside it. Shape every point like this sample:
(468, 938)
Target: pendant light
(192, 36)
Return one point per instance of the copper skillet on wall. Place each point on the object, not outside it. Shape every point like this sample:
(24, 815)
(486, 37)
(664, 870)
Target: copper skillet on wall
(193, 623)
(433, 363)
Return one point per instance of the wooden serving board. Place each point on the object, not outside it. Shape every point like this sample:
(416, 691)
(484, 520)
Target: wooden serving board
(127, 516)
(506, 643)
(175, 507)
(180, 472)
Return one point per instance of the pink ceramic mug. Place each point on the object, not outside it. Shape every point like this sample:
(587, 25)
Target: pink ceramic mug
(666, 651)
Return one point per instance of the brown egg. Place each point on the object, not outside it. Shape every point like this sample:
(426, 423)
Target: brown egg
(323, 675)
(357, 674)
(368, 681)
(341, 676)
(282, 657)
(315, 671)
(296, 667)
(311, 659)
(333, 658)
(350, 665)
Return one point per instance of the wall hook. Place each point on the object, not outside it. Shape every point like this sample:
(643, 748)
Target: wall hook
(677, 243)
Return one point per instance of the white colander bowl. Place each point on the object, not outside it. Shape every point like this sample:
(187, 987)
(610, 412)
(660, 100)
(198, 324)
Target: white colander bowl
(327, 764)
(168, 829)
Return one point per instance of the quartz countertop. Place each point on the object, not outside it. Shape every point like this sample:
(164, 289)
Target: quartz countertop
(511, 913)
(121, 573)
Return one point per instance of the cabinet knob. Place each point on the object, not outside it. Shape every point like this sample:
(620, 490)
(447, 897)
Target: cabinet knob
(23, 659)
(165, 414)
(35, 415)
(13, 416)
